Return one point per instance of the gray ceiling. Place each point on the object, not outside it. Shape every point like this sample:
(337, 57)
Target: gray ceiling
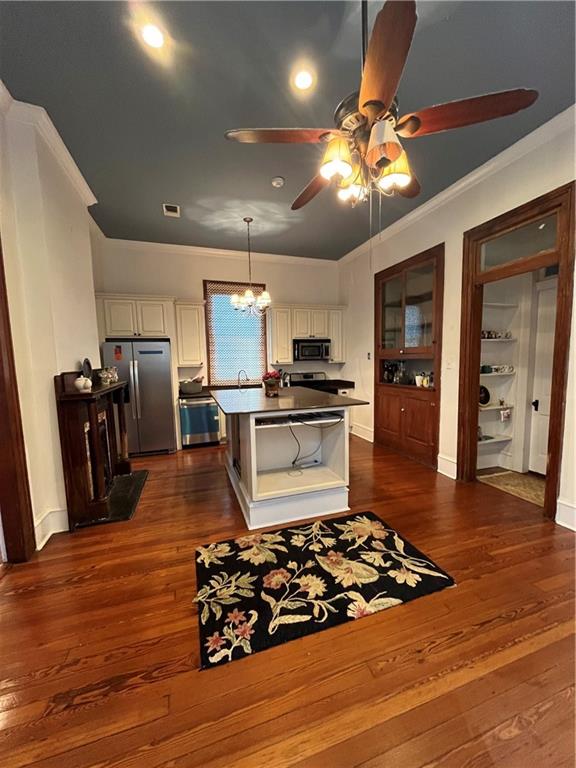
(143, 134)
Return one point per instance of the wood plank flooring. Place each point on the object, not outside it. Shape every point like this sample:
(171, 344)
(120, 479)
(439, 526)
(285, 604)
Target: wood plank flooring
(99, 641)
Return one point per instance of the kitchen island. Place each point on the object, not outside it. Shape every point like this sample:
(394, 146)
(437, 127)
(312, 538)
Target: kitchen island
(287, 456)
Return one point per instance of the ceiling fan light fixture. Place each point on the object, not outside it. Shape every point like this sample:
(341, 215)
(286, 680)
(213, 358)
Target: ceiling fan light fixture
(337, 161)
(396, 175)
(384, 145)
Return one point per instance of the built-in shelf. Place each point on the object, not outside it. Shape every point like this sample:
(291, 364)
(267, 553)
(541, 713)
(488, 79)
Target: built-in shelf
(499, 305)
(292, 480)
(492, 341)
(483, 408)
(490, 440)
(510, 373)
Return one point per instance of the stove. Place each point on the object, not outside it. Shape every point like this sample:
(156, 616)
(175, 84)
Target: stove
(318, 380)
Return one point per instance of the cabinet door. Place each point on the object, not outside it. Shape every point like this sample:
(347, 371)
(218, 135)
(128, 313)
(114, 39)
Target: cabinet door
(280, 330)
(151, 318)
(190, 334)
(301, 323)
(120, 317)
(391, 298)
(319, 323)
(388, 415)
(419, 308)
(336, 335)
(419, 426)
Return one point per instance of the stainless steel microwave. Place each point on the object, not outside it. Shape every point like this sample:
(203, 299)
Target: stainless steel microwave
(311, 349)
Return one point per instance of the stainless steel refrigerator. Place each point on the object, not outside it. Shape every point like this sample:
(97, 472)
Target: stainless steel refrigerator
(145, 365)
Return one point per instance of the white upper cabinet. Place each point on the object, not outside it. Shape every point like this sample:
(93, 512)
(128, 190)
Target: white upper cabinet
(336, 335)
(279, 335)
(135, 317)
(309, 323)
(319, 323)
(301, 323)
(120, 317)
(151, 318)
(190, 331)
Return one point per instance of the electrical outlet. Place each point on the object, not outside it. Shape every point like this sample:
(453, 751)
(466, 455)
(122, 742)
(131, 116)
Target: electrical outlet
(369, 355)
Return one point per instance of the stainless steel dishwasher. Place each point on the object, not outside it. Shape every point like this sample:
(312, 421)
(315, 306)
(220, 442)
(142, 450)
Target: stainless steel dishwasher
(199, 420)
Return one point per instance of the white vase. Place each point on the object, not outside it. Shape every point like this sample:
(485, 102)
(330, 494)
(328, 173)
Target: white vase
(80, 383)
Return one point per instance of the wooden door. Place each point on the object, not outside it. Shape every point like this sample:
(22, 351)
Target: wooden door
(388, 416)
(542, 385)
(419, 417)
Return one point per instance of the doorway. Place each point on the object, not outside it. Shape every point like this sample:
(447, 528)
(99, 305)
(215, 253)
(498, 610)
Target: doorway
(515, 383)
(531, 246)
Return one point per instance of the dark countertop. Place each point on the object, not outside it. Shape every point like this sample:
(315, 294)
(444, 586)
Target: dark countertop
(233, 401)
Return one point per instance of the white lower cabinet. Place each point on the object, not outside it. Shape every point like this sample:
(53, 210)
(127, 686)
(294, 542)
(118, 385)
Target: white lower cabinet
(280, 335)
(190, 332)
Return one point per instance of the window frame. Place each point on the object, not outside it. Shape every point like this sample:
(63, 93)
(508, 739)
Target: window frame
(242, 286)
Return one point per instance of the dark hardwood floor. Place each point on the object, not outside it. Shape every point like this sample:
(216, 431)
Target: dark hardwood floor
(99, 641)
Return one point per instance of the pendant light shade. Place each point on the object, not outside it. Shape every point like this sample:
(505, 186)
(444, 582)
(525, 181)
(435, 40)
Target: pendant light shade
(384, 146)
(337, 160)
(397, 175)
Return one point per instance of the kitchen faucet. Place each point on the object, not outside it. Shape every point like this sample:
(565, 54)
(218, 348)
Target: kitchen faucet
(245, 380)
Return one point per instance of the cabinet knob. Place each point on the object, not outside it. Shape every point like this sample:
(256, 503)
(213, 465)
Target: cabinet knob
(402, 409)
(401, 351)
(432, 404)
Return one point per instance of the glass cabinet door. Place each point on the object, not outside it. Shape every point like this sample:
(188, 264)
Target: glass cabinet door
(391, 313)
(419, 307)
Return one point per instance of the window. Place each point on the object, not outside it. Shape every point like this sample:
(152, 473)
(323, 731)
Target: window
(235, 340)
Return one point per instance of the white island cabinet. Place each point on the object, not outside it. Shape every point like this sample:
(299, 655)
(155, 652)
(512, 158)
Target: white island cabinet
(287, 456)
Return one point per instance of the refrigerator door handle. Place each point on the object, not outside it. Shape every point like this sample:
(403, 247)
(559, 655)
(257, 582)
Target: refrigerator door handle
(137, 387)
(132, 390)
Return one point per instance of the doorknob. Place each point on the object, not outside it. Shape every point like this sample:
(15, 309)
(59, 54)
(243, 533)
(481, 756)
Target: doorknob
(535, 404)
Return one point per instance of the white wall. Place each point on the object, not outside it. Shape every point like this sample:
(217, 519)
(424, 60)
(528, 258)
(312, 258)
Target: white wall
(539, 163)
(124, 266)
(45, 232)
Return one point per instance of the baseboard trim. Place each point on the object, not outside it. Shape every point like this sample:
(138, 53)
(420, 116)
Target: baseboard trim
(53, 521)
(364, 432)
(566, 514)
(447, 466)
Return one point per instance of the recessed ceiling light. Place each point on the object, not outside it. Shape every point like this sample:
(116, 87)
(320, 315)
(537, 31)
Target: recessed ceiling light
(278, 182)
(303, 80)
(152, 36)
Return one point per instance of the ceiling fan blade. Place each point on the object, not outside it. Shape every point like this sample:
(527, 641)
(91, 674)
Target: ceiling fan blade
(456, 114)
(310, 191)
(386, 56)
(412, 190)
(280, 135)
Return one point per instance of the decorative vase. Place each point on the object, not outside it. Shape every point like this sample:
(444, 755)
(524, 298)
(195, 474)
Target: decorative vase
(271, 387)
(80, 383)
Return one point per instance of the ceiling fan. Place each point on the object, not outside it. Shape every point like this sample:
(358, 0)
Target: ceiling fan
(364, 151)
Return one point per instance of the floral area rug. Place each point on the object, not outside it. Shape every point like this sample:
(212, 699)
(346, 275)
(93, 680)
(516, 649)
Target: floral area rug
(263, 589)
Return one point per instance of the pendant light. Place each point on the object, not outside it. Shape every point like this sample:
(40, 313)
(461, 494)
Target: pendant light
(248, 302)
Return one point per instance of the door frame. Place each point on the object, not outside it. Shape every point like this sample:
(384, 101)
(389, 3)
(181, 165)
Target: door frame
(15, 501)
(561, 202)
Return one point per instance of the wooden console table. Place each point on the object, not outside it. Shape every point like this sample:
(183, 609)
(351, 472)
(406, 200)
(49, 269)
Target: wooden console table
(94, 447)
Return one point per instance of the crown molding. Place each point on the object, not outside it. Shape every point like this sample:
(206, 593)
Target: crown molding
(545, 133)
(30, 114)
(169, 249)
